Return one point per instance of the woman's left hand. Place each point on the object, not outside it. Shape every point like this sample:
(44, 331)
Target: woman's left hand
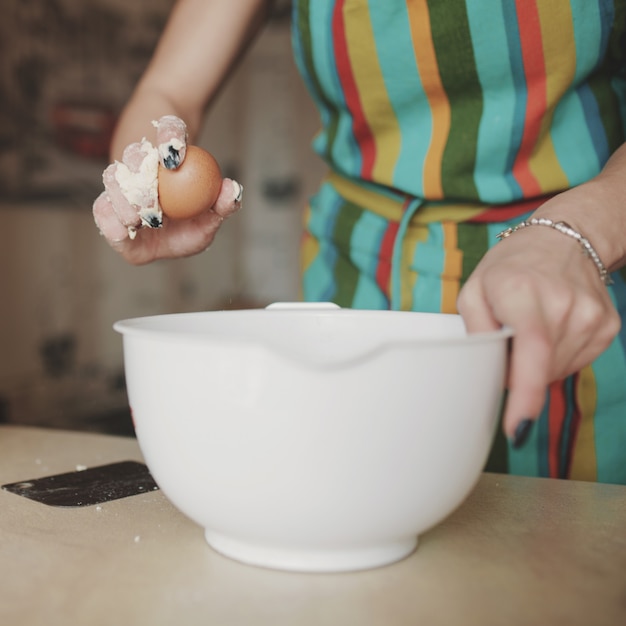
(538, 282)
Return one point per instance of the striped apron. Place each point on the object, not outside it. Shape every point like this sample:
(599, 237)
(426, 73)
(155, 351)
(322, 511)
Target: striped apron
(442, 123)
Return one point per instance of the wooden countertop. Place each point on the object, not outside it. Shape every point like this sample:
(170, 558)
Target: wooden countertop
(518, 551)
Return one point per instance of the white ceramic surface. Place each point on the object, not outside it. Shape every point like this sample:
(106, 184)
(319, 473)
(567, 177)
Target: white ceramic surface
(312, 438)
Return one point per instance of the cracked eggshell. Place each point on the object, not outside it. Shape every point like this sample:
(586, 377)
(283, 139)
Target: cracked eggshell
(192, 188)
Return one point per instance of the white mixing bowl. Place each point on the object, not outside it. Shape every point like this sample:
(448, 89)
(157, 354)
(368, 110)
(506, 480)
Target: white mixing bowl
(313, 438)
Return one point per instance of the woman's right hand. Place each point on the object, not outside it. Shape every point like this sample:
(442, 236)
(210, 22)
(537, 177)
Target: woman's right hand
(127, 212)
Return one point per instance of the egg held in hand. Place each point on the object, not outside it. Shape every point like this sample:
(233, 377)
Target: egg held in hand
(192, 188)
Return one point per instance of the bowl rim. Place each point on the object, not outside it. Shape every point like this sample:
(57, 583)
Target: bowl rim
(135, 326)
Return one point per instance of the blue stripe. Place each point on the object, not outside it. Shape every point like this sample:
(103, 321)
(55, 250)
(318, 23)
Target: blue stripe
(618, 294)
(576, 149)
(330, 100)
(521, 94)
(594, 124)
(576, 133)
(428, 262)
(499, 112)
(345, 147)
(365, 241)
(368, 295)
(609, 420)
(318, 280)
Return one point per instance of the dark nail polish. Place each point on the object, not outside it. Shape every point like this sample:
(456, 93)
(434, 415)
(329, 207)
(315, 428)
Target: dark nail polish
(172, 160)
(155, 222)
(521, 433)
(151, 219)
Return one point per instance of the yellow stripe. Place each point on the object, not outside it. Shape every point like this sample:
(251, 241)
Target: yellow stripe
(584, 465)
(309, 247)
(426, 59)
(453, 265)
(391, 208)
(368, 76)
(559, 50)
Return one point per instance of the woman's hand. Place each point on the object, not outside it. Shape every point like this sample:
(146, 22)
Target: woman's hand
(127, 212)
(201, 42)
(539, 283)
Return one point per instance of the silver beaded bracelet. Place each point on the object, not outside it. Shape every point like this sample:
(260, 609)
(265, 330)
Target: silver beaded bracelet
(566, 229)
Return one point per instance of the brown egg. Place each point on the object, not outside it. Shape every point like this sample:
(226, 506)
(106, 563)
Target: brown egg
(192, 188)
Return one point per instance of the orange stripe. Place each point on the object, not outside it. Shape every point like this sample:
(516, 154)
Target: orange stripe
(452, 268)
(426, 60)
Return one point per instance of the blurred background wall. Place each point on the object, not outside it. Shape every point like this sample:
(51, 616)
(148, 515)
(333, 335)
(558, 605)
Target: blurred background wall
(66, 69)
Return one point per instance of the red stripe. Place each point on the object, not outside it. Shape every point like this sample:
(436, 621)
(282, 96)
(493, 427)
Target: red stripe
(509, 211)
(556, 418)
(385, 255)
(360, 128)
(535, 72)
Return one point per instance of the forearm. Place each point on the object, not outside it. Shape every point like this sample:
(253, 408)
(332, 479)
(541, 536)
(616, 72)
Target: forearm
(597, 209)
(200, 44)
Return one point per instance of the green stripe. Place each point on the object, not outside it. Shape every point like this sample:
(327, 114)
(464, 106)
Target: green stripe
(304, 32)
(310, 72)
(601, 82)
(450, 27)
(346, 273)
(498, 460)
(473, 241)
(608, 106)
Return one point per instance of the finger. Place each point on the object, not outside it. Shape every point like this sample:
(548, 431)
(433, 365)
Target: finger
(519, 305)
(171, 133)
(126, 213)
(179, 238)
(528, 379)
(229, 199)
(134, 155)
(107, 221)
(475, 310)
(136, 177)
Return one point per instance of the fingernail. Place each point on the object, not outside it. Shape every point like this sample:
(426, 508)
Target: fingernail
(172, 160)
(151, 217)
(239, 193)
(521, 433)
